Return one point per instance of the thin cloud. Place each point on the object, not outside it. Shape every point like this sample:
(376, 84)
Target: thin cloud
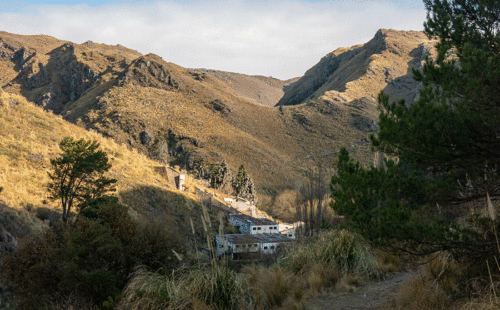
(280, 39)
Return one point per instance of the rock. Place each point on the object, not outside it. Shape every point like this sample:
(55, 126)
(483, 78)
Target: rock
(22, 56)
(146, 138)
(219, 106)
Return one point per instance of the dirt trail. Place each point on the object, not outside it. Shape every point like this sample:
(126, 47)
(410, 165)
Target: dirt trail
(373, 296)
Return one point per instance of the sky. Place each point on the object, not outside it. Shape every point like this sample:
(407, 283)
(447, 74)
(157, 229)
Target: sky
(282, 38)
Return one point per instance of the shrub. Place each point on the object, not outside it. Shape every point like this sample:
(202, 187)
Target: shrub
(90, 260)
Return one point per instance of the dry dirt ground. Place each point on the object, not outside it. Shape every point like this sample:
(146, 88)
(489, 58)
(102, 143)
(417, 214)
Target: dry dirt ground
(374, 296)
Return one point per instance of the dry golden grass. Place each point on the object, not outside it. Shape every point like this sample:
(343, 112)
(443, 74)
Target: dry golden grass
(29, 138)
(437, 285)
(275, 146)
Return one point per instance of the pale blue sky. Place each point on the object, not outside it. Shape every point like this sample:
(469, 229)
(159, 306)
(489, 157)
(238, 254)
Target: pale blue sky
(273, 38)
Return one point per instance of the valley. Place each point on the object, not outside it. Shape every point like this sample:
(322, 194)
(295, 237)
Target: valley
(276, 129)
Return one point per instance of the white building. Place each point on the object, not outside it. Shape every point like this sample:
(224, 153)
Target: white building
(252, 226)
(241, 245)
(291, 230)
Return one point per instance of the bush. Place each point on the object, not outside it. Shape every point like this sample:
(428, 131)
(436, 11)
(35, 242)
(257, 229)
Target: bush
(153, 245)
(90, 260)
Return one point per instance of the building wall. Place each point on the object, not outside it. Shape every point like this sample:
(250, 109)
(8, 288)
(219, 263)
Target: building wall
(262, 248)
(264, 229)
(243, 226)
(221, 245)
(270, 248)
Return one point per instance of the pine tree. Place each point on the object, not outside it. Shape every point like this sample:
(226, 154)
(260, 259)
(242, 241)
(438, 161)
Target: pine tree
(239, 181)
(447, 144)
(78, 174)
(221, 176)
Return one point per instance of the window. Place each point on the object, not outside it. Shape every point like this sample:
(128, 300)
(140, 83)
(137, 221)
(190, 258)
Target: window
(237, 246)
(265, 248)
(255, 228)
(290, 235)
(256, 245)
(272, 247)
(258, 228)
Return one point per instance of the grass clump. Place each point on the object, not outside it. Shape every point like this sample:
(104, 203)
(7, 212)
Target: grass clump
(347, 251)
(196, 287)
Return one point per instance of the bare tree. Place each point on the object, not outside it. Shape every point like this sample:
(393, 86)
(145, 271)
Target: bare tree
(311, 199)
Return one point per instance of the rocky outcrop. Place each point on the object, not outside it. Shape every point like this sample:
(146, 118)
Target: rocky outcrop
(149, 71)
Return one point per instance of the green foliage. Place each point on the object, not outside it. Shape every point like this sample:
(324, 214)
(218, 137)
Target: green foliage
(91, 259)
(79, 174)
(388, 206)
(244, 186)
(454, 125)
(221, 176)
(446, 143)
(239, 181)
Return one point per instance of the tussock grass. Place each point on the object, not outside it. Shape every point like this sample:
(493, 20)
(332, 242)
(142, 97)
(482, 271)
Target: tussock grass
(444, 283)
(303, 272)
(343, 249)
(214, 287)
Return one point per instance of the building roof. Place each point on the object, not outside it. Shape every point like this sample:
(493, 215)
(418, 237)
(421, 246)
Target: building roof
(258, 238)
(252, 220)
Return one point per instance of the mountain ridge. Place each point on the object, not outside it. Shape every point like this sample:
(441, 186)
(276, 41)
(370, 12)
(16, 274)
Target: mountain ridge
(207, 116)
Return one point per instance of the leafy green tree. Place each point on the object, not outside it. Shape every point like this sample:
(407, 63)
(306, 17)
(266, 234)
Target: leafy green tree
(90, 262)
(389, 206)
(78, 174)
(447, 145)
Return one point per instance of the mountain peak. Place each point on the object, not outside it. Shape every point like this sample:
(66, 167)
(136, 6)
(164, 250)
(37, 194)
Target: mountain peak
(364, 70)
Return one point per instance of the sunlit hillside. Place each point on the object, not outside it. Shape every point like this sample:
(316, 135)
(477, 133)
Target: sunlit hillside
(29, 138)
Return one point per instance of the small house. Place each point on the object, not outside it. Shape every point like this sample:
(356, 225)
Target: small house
(251, 226)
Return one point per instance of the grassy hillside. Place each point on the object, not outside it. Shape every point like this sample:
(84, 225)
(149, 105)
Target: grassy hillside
(207, 116)
(260, 89)
(30, 138)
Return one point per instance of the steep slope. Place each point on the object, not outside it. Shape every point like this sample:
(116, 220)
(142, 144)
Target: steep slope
(137, 99)
(361, 71)
(29, 138)
(260, 89)
(53, 72)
